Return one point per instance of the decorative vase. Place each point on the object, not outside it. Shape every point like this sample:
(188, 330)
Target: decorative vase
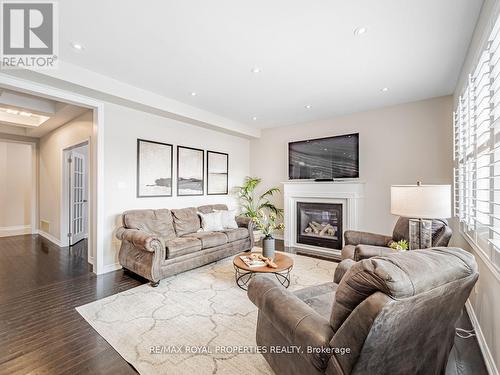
(268, 247)
(257, 235)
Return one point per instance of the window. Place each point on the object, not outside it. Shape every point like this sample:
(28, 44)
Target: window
(477, 152)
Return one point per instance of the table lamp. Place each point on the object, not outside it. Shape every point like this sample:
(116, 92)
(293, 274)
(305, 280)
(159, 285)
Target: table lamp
(421, 203)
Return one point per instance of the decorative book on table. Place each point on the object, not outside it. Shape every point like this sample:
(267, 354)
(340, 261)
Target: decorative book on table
(252, 262)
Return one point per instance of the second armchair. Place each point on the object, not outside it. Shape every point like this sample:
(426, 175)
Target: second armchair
(362, 245)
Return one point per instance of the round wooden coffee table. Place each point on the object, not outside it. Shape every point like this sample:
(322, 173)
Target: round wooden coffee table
(243, 273)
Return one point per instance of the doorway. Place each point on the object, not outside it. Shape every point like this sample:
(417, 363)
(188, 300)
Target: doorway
(96, 167)
(18, 187)
(75, 207)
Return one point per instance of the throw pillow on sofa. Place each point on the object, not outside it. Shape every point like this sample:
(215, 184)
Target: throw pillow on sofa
(211, 222)
(228, 219)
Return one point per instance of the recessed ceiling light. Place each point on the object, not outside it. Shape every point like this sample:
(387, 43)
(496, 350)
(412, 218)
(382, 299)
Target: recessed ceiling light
(360, 30)
(254, 118)
(385, 89)
(308, 106)
(256, 70)
(193, 94)
(77, 46)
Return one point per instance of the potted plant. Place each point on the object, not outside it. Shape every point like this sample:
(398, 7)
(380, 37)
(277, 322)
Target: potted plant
(267, 224)
(401, 245)
(252, 203)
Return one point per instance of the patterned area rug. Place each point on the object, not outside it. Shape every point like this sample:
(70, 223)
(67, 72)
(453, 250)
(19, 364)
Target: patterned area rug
(196, 323)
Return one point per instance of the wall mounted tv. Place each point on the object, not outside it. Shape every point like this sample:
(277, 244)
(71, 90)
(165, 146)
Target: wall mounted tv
(324, 158)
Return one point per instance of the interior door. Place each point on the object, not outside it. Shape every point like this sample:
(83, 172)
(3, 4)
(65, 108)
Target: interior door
(78, 198)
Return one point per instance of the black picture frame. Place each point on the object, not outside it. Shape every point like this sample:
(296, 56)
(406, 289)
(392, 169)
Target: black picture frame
(180, 183)
(226, 173)
(138, 176)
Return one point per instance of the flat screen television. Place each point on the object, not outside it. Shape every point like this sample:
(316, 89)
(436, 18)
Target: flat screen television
(324, 158)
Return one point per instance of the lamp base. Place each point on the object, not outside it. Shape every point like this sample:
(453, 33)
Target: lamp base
(420, 233)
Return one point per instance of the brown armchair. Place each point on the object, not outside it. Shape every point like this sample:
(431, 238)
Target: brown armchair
(389, 315)
(363, 245)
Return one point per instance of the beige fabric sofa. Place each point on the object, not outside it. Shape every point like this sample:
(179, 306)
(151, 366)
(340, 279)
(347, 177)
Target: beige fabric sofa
(161, 243)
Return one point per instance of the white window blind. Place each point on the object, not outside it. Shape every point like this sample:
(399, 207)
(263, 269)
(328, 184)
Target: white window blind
(477, 152)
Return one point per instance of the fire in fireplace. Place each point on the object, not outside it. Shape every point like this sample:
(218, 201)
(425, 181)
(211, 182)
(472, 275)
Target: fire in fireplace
(319, 224)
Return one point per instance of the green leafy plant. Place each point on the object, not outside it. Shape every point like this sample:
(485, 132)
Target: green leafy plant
(267, 224)
(400, 245)
(252, 203)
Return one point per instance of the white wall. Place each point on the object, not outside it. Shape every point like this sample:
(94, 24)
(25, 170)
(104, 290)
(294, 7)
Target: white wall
(15, 184)
(51, 167)
(484, 299)
(398, 145)
(122, 128)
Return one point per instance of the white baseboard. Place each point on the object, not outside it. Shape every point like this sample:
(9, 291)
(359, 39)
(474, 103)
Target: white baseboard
(110, 268)
(16, 230)
(50, 237)
(488, 358)
(91, 260)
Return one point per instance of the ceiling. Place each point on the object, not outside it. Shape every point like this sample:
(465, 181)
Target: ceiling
(306, 51)
(33, 116)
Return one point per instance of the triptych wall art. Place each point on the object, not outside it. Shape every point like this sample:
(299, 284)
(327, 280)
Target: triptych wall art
(155, 170)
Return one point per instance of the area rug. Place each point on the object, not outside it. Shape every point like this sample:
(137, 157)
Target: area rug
(196, 323)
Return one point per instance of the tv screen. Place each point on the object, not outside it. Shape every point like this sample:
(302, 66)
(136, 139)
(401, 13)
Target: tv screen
(325, 158)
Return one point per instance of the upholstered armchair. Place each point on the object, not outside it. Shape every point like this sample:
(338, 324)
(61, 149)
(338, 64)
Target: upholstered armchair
(363, 245)
(389, 315)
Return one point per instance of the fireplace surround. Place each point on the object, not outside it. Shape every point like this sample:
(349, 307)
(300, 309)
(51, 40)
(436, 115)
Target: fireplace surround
(345, 196)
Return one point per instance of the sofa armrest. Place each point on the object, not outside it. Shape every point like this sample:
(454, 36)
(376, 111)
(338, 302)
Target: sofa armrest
(247, 222)
(353, 237)
(293, 318)
(367, 251)
(342, 269)
(244, 222)
(139, 239)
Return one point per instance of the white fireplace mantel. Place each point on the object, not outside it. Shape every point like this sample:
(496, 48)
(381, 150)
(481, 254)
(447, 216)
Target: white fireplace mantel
(349, 193)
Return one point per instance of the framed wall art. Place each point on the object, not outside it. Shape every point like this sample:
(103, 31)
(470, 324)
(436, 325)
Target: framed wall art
(217, 173)
(190, 171)
(154, 169)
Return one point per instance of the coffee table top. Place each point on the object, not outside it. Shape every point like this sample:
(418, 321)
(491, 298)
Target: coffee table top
(282, 260)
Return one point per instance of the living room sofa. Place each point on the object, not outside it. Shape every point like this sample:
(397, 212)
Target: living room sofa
(394, 314)
(160, 243)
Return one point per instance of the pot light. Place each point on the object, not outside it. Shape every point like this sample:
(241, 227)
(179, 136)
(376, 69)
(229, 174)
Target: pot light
(385, 89)
(308, 106)
(360, 30)
(193, 94)
(256, 70)
(77, 46)
(254, 118)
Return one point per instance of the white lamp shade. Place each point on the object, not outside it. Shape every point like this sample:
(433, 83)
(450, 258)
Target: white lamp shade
(421, 201)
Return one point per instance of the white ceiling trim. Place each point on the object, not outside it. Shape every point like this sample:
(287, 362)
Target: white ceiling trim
(170, 108)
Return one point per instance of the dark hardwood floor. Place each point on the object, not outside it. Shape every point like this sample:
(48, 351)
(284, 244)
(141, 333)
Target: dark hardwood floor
(41, 332)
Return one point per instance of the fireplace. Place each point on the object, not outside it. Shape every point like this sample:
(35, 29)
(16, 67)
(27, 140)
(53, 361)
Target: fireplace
(344, 196)
(319, 224)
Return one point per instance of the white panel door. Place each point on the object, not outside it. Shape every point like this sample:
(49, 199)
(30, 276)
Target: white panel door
(78, 199)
